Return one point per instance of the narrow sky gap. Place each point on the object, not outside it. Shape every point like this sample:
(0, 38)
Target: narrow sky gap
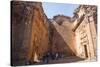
(52, 9)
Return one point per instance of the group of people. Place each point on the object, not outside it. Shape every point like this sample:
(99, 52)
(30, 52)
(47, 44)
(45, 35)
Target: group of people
(51, 56)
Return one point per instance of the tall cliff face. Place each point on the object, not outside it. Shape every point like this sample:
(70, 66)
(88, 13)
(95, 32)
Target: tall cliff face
(62, 36)
(40, 37)
(29, 32)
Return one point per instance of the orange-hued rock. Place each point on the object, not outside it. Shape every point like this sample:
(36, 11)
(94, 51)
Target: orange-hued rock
(29, 32)
(39, 37)
(35, 38)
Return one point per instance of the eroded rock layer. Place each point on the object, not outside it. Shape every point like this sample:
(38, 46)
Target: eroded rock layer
(29, 32)
(62, 36)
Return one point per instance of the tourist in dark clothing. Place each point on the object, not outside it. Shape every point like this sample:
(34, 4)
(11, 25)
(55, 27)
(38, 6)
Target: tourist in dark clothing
(46, 58)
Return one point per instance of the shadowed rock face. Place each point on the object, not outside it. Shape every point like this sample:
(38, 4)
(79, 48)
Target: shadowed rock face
(62, 36)
(29, 32)
(33, 35)
(61, 18)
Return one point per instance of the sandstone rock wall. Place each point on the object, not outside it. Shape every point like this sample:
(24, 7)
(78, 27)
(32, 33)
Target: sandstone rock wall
(29, 32)
(62, 36)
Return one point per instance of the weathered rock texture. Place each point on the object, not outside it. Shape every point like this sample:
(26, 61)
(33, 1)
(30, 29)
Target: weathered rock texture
(33, 35)
(29, 32)
(62, 36)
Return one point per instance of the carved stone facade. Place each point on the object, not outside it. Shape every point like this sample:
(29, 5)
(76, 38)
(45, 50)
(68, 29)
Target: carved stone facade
(34, 35)
(85, 31)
